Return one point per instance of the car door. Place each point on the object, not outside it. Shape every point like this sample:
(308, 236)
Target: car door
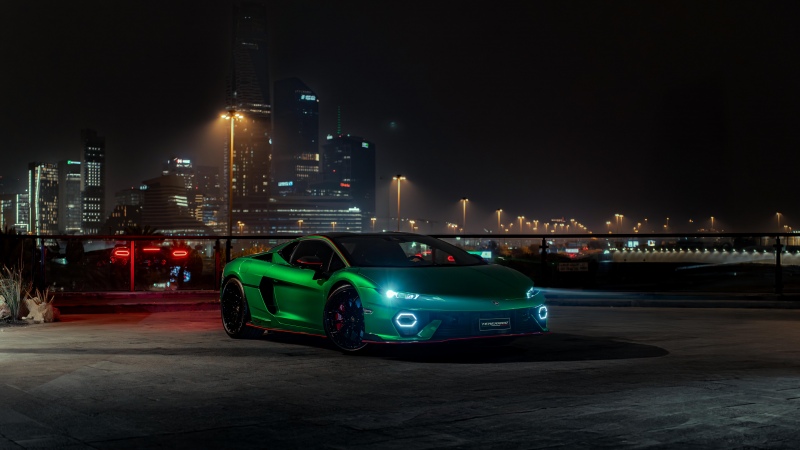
(299, 297)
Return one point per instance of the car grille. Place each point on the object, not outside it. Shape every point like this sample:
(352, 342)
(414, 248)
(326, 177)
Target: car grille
(467, 324)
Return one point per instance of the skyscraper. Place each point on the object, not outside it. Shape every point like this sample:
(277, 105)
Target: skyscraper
(43, 191)
(295, 148)
(69, 197)
(248, 92)
(348, 170)
(94, 181)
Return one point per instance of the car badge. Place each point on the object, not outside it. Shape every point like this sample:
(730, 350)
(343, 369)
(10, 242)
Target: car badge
(496, 303)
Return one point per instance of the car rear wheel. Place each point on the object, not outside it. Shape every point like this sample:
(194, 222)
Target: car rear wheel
(344, 319)
(235, 312)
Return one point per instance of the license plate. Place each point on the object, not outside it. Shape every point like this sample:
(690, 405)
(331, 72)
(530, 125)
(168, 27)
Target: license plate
(494, 324)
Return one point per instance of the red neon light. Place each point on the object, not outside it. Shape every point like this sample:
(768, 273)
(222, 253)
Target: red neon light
(122, 252)
(179, 253)
(151, 249)
(450, 258)
(344, 185)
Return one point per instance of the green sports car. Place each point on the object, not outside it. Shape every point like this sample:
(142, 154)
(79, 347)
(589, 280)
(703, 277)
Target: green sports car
(359, 289)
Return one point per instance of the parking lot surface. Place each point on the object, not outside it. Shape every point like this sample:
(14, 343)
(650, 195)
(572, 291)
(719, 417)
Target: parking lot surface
(604, 378)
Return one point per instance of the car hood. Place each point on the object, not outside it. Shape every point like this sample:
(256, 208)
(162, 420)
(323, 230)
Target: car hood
(488, 281)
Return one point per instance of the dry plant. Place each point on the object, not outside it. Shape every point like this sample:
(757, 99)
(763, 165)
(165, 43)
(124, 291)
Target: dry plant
(11, 290)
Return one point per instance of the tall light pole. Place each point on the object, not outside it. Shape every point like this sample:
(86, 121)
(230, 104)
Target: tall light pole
(399, 178)
(712, 224)
(232, 116)
(333, 226)
(300, 225)
(520, 218)
(779, 220)
(499, 225)
(373, 222)
(464, 200)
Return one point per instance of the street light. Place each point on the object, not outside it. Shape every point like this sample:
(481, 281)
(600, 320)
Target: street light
(373, 222)
(712, 224)
(300, 225)
(779, 220)
(464, 200)
(333, 226)
(399, 178)
(520, 222)
(499, 225)
(232, 116)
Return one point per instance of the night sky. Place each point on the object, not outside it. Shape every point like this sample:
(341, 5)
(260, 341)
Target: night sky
(551, 109)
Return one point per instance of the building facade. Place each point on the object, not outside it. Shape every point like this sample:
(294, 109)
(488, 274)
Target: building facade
(43, 203)
(70, 217)
(348, 170)
(94, 181)
(248, 92)
(295, 147)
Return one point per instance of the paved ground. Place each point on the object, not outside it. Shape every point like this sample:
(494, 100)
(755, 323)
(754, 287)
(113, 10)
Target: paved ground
(605, 378)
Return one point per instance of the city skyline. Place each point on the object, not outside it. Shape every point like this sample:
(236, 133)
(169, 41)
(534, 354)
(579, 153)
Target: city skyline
(566, 111)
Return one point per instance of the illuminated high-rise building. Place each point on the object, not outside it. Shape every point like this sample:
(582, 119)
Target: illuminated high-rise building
(348, 170)
(43, 192)
(69, 197)
(94, 181)
(248, 92)
(166, 207)
(295, 147)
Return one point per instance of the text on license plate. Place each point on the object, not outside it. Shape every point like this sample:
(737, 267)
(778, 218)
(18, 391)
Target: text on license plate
(494, 324)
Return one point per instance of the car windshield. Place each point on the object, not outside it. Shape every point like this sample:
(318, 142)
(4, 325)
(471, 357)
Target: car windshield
(402, 251)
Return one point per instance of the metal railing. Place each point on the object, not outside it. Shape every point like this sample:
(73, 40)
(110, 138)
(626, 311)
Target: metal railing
(720, 262)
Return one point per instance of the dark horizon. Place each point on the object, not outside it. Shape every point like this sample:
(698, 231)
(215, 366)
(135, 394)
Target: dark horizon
(575, 110)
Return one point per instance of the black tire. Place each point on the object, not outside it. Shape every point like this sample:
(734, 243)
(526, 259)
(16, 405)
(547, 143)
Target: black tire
(344, 319)
(235, 312)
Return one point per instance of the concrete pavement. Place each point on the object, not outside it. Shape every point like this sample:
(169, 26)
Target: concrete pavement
(606, 377)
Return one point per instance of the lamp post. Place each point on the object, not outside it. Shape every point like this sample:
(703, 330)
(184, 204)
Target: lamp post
(399, 178)
(499, 225)
(300, 225)
(464, 200)
(333, 226)
(712, 224)
(520, 218)
(232, 116)
(535, 224)
(373, 222)
(779, 220)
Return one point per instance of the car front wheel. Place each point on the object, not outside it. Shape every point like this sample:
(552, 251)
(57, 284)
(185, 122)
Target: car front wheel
(235, 312)
(344, 319)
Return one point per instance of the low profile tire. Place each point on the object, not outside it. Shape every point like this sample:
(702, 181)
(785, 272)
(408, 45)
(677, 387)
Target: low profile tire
(235, 312)
(344, 319)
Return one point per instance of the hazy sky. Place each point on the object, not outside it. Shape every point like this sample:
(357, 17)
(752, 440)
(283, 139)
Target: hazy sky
(549, 109)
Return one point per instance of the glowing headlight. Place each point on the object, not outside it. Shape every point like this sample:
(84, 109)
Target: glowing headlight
(542, 312)
(401, 295)
(531, 293)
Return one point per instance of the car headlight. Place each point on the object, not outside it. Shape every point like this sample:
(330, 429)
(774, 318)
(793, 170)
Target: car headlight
(531, 293)
(403, 295)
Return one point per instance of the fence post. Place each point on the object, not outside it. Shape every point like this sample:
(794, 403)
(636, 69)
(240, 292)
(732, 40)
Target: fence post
(133, 265)
(544, 261)
(217, 273)
(778, 269)
(42, 267)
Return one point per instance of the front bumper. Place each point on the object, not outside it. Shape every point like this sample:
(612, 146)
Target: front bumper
(412, 323)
